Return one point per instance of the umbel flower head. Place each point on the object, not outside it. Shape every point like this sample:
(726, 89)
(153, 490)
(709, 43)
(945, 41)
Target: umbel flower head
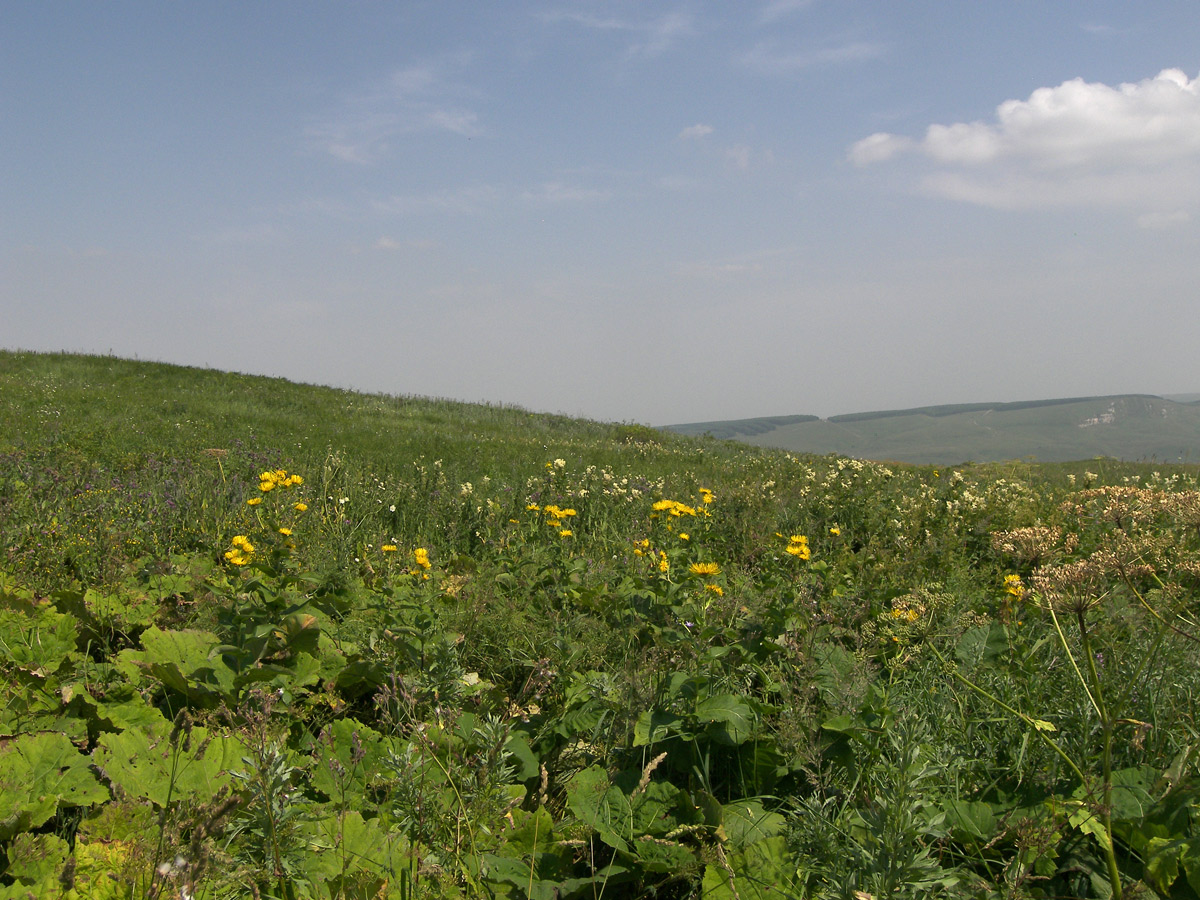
(1073, 587)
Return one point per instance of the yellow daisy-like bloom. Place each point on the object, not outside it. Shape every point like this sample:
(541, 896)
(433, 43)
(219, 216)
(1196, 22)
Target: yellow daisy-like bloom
(660, 505)
(254, 501)
(566, 532)
(706, 496)
(389, 548)
(663, 564)
(709, 568)
(265, 486)
(835, 531)
(533, 507)
(800, 550)
(300, 507)
(296, 479)
(684, 536)
(716, 589)
(286, 532)
(1014, 586)
(421, 555)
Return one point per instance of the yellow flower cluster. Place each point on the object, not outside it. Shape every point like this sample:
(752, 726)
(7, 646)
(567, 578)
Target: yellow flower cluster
(555, 515)
(798, 546)
(674, 508)
(1014, 586)
(706, 496)
(268, 481)
(421, 555)
(707, 568)
(241, 551)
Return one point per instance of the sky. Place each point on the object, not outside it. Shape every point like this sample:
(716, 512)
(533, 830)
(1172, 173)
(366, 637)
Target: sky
(655, 212)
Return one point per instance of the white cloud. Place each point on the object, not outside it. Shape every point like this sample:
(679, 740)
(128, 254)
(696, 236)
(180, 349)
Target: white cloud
(695, 132)
(649, 37)
(769, 58)
(1161, 220)
(461, 201)
(558, 192)
(777, 9)
(415, 99)
(1078, 143)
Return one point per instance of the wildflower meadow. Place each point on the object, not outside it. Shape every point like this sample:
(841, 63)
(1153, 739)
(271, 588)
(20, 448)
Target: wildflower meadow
(264, 640)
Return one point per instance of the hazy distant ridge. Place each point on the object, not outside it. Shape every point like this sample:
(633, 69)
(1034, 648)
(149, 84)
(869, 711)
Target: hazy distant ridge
(1125, 426)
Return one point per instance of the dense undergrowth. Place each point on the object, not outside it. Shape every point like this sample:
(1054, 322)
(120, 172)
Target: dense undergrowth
(268, 640)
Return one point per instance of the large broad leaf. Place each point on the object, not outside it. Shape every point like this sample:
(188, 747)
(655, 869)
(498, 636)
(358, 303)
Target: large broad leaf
(38, 773)
(596, 802)
(734, 719)
(982, 644)
(763, 871)
(746, 823)
(348, 760)
(184, 661)
(38, 639)
(144, 763)
(36, 862)
(347, 844)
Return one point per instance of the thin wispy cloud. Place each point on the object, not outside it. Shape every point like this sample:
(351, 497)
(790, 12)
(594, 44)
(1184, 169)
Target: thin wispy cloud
(773, 58)
(695, 132)
(461, 201)
(1080, 143)
(557, 192)
(414, 99)
(778, 9)
(647, 37)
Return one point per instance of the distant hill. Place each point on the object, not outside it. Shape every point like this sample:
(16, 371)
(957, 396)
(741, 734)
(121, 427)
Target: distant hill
(1129, 427)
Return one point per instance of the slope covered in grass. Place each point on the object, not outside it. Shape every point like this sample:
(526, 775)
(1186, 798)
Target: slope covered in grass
(273, 640)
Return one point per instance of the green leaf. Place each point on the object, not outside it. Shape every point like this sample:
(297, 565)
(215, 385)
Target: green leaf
(746, 822)
(38, 773)
(655, 725)
(763, 871)
(970, 819)
(736, 719)
(36, 862)
(600, 805)
(142, 763)
(982, 644)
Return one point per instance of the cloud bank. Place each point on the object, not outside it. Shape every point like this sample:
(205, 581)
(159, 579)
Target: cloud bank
(1077, 144)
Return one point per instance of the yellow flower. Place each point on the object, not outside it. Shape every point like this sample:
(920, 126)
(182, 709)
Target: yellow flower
(421, 555)
(709, 568)
(663, 564)
(389, 548)
(706, 496)
(566, 532)
(835, 531)
(800, 550)
(1014, 586)
(296, 479)
(254, 501)
(684, 536)
(716, 589)
(300, 507)
(286, 532)
(533, 507)
(265, 486)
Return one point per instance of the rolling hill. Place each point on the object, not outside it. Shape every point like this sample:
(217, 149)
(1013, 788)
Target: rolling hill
(1128, 427)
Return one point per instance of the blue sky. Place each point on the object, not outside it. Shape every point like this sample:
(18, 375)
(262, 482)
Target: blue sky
(630, 211)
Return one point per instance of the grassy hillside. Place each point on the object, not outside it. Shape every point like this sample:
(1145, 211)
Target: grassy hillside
(1132, 427)
(260, 639)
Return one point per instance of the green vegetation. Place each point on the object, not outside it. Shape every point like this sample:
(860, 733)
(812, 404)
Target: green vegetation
(1130, 427)
(266, 640)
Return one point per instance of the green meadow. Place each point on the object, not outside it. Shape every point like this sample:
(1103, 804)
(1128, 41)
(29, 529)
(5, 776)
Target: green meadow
(268, 640)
